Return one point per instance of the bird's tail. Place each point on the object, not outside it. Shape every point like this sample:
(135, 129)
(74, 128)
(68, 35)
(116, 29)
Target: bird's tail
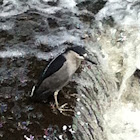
(39, 95)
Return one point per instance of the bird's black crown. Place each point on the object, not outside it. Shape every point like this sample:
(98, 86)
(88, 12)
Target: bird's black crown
(80, 50)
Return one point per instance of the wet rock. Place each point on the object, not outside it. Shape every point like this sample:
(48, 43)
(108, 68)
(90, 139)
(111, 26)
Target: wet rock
(86, 17)
(16, 111)
(53, 2)
(3, 108)
(137, 73)
(1, 2)
(52, 22)
(50, 2)
(109, 21)
(93, 6)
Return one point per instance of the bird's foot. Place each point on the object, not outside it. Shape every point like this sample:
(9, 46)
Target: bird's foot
(68, 95)
(64, 108)
(75, 95)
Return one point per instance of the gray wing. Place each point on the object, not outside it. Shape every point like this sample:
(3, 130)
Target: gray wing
(53, 66)
(43, 85)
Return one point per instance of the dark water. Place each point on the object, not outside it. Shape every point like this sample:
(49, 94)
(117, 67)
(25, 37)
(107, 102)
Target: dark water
(29, 39)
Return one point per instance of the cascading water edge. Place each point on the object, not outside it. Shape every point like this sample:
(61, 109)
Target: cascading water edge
(119, 40)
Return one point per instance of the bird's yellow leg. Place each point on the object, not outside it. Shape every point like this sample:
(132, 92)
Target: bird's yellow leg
(55, 98)
(63, 107)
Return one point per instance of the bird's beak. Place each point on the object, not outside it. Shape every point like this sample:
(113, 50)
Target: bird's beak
(87, 59)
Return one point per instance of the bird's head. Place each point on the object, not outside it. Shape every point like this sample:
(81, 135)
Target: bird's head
(81, 53)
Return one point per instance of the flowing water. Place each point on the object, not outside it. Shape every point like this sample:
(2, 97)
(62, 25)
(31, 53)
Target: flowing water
(120, 41)
(32, 32)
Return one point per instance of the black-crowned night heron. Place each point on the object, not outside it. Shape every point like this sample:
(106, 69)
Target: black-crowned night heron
(58, 73)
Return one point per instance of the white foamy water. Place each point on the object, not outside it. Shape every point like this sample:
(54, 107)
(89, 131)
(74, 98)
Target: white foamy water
(123, 123)
(6, 25)
(124, 12)
(21, 53)
(16, 7)
(12, 7)
(57, 39)
(35, 4)
(68, 3)
(120, 46)
(12, 53)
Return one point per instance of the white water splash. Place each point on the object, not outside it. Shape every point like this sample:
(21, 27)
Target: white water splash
(44, 8)
(57, 39)
(15, 7)
(6, 25)
(120, 46)
(123, 123)
(12, 7)
(68, 3)
(124, 12)
(12, 53)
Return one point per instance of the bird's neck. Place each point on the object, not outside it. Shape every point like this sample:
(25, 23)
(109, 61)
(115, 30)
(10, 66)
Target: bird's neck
(73, 61)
